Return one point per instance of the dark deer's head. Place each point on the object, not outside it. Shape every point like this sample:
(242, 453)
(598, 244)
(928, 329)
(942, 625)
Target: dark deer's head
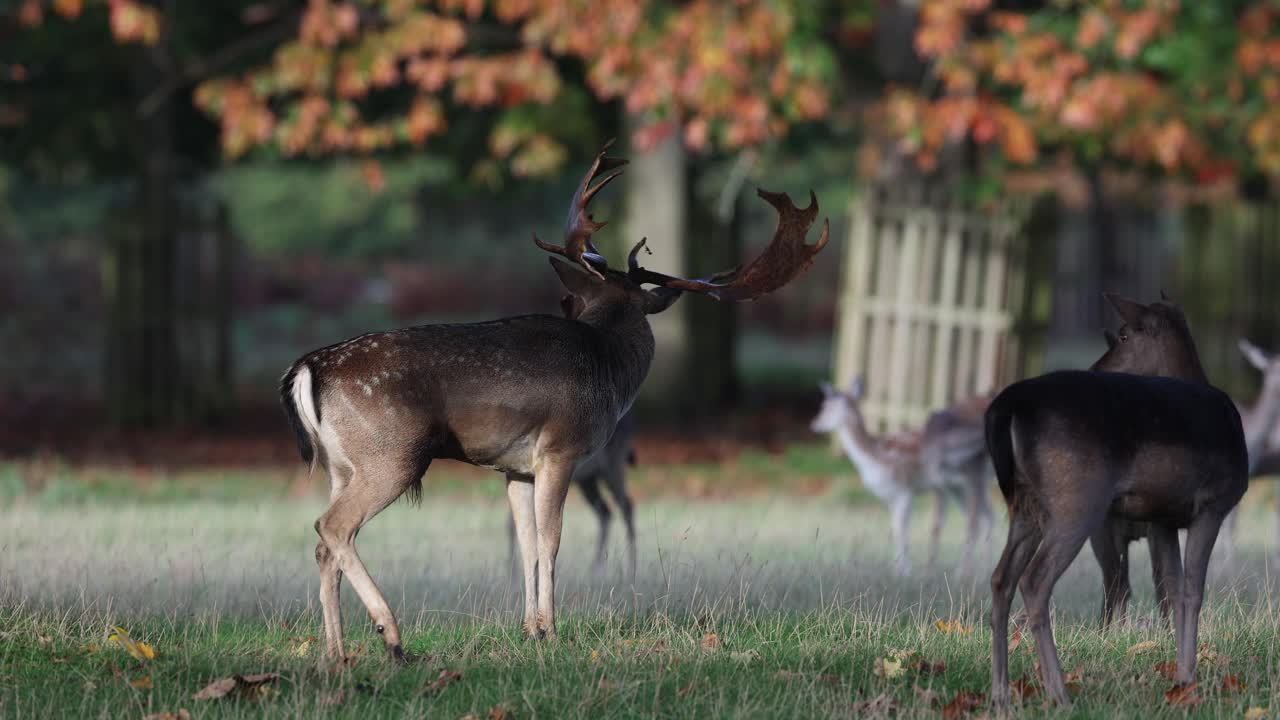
(1154, 340)
(592, 283)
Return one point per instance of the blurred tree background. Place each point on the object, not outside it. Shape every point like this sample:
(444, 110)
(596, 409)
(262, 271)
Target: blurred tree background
(195, 193)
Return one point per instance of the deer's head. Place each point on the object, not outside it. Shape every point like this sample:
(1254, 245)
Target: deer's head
(1153, 340)
(1267, 363)
(837, 406)
(593, 284)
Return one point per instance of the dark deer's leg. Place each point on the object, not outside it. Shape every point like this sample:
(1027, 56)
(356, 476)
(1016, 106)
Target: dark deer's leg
(975, 511)
(520, 497)
(1166, 568)
(371, 490)
(1200, 539)
(590, 487)
(1111, 548)
(1062, 542)
(615, 479)
(550, 488)
(1024, 536)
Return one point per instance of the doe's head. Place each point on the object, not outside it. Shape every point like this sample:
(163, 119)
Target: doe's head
(1154, 339)
(837, 407)
(1267, 363)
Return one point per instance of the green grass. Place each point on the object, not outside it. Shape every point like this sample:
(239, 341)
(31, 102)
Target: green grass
(797, 592)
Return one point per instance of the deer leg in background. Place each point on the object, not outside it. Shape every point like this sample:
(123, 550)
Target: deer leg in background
(899, 515)
(590, 487)
(939, 519)
(520, 497)
(615, 480)
(1024, 537)
(372, 488)
(550, 487)
(978, 512)
(1200, 539)
(1228, 534)
(1063, 539)
(1111, 548)
(1166, 569)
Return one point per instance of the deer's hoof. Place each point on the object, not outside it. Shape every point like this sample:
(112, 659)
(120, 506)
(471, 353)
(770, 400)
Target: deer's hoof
(397, 654)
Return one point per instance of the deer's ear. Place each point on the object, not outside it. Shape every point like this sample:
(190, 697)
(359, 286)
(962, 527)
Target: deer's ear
(827, 389)
(1131, 311)
(1254, 355)
(659, 299)
(574, 279)
(1111, 338)
(572, 306)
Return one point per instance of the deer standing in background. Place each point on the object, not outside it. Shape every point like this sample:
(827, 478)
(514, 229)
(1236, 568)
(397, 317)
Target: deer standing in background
(946, 458)
(1111, 542)
(1075, 449)
(532, 396)
(608, 467)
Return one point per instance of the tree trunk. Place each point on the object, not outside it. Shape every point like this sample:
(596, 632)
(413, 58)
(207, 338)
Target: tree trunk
(712, 371)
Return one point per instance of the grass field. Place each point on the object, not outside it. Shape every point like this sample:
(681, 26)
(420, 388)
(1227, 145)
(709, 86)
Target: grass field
(770, 605)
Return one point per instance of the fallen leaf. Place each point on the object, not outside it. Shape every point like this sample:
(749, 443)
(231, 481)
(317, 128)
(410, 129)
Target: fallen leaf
(888, 668)
(953, 626)
(443, 680)
(1182, 695)
(927, 696)
(881, 704)
(710, 641)
(1232, 684)
(744, 656)
(1256, 713)
(1015, 640)
(303, 647)
(337, 697)
(1206, 654)
(91, 648)
(926, 667)
(140, 651)
(594, 657)
(606, 684)
(685, 690)
(501, 712)
(182, 714)
(832, 680)
(788, 675)
(142, 683)
(963, 703)
(59, 659)
(1168, 668)
(1142, 647)
(1022, 690)
(243, 684)
(44, 639)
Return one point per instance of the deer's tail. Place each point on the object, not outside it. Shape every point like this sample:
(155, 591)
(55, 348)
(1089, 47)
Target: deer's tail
(999, 431)
(297, 395)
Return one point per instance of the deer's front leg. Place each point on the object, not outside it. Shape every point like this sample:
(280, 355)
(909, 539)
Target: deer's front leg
(520, 497)
(550, 488)
(899, 515)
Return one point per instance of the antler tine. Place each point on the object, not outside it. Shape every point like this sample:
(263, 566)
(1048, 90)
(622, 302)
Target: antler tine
(786, 257)
(579, 225)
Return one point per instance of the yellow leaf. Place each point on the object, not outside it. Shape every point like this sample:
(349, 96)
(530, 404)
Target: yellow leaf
(91, 648)
(1144, 646)
(303, 648)
(888, 668)
(952, 626)
(142, 683)
(1256, 713)
(595, 656)
(138, 649)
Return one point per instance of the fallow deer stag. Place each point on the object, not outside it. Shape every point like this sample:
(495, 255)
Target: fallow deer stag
(1072, 448)
(946, 458)
(1110, 543)
(531, 396)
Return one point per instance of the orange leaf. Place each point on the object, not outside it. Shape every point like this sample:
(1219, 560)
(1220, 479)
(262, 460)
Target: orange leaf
(142, 683)
(1023, 690)
(1232, 684)
(443, 680)
(1169, 669)
(710, 641)
(963, 703)
(1182, 695)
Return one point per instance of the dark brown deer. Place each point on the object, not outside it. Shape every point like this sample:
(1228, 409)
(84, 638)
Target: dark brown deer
(531, 396)
(607, 469)
(1073, 448)
(1111, 542)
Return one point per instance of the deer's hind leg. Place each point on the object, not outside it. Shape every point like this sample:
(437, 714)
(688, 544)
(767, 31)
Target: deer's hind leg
(1200, 539)
(590, 486)
(525, 530)
(371, 489)
(615, 480)
(330, 573)
(1024, 537)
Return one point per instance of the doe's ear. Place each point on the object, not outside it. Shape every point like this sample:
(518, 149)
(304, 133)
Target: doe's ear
(1131, 311)
(1110, 337)
(1254, 355)
(856, 389)
(827, 389)
(574, 279)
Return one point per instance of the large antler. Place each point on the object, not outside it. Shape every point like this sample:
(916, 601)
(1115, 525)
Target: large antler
(579, 226)
(786, 257)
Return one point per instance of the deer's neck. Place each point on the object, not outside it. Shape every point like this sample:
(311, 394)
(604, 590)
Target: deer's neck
(627, 349)
(1260, 420)
(858, 443)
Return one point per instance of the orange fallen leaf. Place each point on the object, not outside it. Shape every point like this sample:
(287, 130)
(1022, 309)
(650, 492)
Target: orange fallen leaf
(140, 651)
(926, 696)
(1256, 713)
(142, 683)
(1142, 647)
(1022, 690)
(953, 626)
(501, 712)
(243, 684)
(877, 706)
(1015, 640)
(182, 714)
(710, 641)
(1182, 695)
(1232, 684)
(444, 679)
(1168, 668)
(962, 704)
(927, 667)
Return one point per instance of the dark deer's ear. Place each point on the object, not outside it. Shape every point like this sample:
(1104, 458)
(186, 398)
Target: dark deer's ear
(572, 306)
(659, 299)
(1164, 297)
(1111, 339)
(574, 279)
(1131, 311)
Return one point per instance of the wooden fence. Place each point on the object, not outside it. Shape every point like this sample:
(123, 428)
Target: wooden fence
(930, 293)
